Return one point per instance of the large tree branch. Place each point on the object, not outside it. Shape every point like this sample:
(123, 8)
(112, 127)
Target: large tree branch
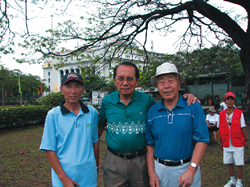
(223, 21)
(244, 3)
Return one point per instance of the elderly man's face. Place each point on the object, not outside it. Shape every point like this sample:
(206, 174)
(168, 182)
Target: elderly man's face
(72, 92)
(168, 86)
(125, 80)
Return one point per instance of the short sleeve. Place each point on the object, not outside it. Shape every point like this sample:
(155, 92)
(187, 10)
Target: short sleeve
(242, 121)
(152, 101)
(102, 120)
(200, 130)
(207, 117)
(149, 135)
(49, 134)
(95, 126)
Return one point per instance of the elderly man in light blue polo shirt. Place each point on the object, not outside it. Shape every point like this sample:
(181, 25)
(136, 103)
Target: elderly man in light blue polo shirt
(176, 134)
(70, 138)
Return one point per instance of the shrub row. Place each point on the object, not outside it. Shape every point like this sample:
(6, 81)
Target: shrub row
(23, 116)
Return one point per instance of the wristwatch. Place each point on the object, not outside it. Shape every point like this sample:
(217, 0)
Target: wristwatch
(194, 165)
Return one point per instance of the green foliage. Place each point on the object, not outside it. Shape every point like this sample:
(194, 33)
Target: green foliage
(110, 86)
(221, 58)
(92, 80)
(51, 100)
(30, 85)
(209, 97)
(149, 70)
(22, 116)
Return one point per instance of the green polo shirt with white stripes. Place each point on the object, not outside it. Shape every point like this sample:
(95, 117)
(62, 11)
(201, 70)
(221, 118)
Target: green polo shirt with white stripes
(125, 123)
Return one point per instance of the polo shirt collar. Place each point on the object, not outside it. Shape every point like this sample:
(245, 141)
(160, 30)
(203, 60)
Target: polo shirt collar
(64, 110)
(134, 97)
(180, 103)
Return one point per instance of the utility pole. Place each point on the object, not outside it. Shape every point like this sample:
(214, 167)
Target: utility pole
(2, 79)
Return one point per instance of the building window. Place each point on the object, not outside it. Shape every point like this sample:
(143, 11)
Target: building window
(49, 80)
(48, 73)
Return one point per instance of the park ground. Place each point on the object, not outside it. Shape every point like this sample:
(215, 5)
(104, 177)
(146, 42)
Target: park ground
(22, 164)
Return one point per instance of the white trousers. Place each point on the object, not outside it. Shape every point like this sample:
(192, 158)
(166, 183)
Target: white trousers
(169, 175)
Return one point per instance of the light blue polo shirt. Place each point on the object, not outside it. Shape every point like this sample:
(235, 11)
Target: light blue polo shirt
(71, 137)
(125, 123)
(173, 133)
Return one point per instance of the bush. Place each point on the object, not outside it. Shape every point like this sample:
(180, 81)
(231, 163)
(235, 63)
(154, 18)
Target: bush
(22, 116)
(51, 100)
(209, 97)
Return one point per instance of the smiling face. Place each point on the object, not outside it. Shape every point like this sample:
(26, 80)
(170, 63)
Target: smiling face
(168, 86)
(125, 80)
(72, 92)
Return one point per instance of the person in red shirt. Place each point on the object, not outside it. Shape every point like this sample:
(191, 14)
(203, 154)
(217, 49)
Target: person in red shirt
(233, 137)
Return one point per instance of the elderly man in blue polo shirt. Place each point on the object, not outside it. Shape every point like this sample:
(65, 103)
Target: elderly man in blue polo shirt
(125, 113)
(176, 134)
(70, 138)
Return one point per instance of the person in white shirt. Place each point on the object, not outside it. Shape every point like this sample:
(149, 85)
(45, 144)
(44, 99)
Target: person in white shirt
(223, 105)
(212, 120)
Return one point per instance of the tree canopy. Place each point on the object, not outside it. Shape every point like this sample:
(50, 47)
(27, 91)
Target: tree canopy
(223, 58)
(30, 85)
(114, 28)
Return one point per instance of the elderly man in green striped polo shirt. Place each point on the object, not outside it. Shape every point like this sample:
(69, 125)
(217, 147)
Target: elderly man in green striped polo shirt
(124, 113)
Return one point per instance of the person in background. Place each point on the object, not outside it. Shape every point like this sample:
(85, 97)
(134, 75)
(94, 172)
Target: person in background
(70, 137)
(233, 137)
(124, 113)
(217, 101)
(176, 134)
(212, 120)
(223, 105)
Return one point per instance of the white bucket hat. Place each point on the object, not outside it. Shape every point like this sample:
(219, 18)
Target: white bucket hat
(166, 68)
(211, 109)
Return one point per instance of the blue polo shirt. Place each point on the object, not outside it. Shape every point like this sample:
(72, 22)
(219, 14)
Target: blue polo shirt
(125, 123)
(173, 133)
(71, 137)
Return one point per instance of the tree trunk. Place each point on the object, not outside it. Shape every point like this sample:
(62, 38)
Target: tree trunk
(245, 60)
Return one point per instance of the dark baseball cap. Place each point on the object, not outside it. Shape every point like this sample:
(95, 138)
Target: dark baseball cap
(72, 77)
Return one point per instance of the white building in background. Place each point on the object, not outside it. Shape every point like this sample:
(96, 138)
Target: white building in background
(53, 76)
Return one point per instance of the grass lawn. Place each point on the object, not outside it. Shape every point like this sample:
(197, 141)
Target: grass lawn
(33, 169)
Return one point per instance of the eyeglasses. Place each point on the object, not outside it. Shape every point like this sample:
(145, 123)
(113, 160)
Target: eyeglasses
(128, 79)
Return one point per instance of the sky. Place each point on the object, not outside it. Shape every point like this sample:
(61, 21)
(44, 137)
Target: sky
(41, 21)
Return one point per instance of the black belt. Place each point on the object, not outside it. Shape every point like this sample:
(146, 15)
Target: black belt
(173, 162)
(130, 155)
